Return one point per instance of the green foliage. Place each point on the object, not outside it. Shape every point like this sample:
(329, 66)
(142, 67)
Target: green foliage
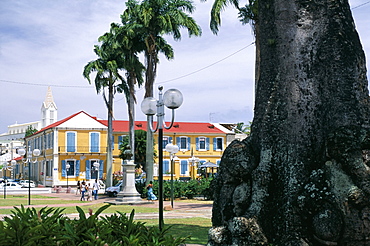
(140, 148)
(30, 131)
(188, 189)
(241, 127)
(249, 13)
(49, 227)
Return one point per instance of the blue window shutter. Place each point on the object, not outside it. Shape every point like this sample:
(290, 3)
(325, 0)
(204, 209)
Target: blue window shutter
(94, 142)
(218, 162)
(178, 142)
(64, 171)
(170, 140)
(166, 166)
(52, 140)
(88, 173)
(71, 145)
(164, 142)
(77, 168)
(214, 143)
(188, 145)
(197, 143)
(207, 143)
(184, 166)
(112, 142)
(120, 138)
(101, 169)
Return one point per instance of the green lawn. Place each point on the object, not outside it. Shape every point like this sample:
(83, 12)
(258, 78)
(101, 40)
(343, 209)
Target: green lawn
(196, 228)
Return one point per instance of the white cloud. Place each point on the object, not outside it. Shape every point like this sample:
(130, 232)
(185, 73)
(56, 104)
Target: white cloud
(49, 43)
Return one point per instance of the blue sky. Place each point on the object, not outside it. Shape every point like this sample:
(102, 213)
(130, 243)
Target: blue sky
(46, 43)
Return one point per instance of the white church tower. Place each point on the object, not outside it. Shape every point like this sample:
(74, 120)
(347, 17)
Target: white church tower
(49, 113)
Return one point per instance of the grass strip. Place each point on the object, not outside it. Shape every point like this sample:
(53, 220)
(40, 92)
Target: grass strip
(197, 228)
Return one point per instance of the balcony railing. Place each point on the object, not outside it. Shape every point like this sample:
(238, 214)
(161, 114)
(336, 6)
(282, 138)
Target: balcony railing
(82, 149)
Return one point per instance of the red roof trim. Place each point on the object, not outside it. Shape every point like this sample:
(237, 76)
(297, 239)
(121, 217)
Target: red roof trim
(55, 124)
(123, 126)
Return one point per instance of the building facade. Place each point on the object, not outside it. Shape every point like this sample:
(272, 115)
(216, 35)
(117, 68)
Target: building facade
(75, 148)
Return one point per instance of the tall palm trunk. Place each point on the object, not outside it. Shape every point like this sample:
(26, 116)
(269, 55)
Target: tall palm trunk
(151, 64)
(109, 180)
(131, 113)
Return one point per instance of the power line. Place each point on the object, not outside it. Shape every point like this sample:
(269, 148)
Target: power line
(361, 5)
(201, 69)
(38, 84)
(162, 82)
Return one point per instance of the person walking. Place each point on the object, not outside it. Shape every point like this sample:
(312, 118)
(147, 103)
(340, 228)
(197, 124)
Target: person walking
(150, 193)
(96, 188)
(83, 190)
(89, 192)
(78, 188)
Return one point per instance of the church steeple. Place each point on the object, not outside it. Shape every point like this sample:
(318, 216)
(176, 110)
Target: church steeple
(48, 110)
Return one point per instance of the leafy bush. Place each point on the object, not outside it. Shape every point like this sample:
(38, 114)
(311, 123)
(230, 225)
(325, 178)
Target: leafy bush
(28, 227)
(188, 189)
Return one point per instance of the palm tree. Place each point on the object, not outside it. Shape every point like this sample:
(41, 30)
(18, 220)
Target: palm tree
(106, 68)
(151, 20)
(140, 148)
(127, 44)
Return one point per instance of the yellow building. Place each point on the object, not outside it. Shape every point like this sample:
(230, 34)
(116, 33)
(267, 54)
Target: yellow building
(72, 148)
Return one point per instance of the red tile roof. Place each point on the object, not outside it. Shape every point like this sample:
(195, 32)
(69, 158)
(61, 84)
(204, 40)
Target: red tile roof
(123, 125)
(59, 122)
(178, 127)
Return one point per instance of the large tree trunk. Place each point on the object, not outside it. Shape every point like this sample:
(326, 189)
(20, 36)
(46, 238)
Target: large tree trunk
(302, 177)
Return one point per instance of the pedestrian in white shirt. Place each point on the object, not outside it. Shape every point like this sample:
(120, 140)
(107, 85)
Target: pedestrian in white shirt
(96, 189)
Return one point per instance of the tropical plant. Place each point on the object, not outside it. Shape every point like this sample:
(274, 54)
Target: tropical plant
(152, 19)
(241, 127)
(50, 226)
(140, 148)
(30, 131)
(247, 14)
(126, 43)
(107, 75)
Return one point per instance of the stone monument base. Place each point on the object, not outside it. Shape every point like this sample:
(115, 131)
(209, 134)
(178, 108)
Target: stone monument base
(129, 199)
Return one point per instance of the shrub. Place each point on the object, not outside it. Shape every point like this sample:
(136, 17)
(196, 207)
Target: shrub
(188, 189)
(49, 226)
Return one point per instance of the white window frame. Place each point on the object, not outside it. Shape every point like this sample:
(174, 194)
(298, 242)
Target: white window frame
(205, 143)
(90, 144)
(186, 143)
(222, 144)
(74, 168)
(75, 146)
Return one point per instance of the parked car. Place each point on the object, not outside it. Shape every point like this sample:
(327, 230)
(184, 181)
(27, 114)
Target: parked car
(114, 190)
(25, 183)
(11, 185)
(7, 180)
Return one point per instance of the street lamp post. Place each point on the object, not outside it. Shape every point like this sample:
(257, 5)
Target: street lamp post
(4, 168)
(35, 153)
(150, 106)
(10, 168)
(67, 169)
(172, 149)
(193, 160)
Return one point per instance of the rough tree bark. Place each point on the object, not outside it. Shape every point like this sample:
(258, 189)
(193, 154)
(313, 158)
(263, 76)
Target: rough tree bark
(302, 177)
